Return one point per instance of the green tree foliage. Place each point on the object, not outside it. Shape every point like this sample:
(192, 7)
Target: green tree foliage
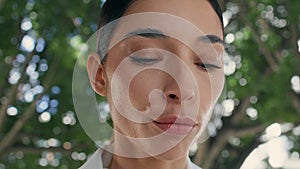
(262, 38)
(40, 41)
(38, 51)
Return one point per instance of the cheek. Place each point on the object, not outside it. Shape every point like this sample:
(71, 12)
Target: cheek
(141, 86)
(205, 94)
(217, 85)
(210, 86)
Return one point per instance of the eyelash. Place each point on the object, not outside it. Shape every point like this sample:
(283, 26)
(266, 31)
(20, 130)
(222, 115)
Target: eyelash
(144, 61)
(150, 61)
(207, 66)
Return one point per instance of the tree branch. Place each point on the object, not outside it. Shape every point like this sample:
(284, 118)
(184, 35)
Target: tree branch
(245, 153)
(295, 102)
(262, 47)
(239, 113)
(249, 131)
(9, 138)
(273, 59)
(216, 148)
(201, 153)
(294, 40)
(11, 96)
(293, 28)
(2, 3)
(219, 145)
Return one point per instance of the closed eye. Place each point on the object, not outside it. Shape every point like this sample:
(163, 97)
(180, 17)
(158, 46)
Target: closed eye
(143, 60)
(207, 66)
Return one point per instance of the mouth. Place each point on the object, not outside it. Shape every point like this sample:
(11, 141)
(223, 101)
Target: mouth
(175, 125)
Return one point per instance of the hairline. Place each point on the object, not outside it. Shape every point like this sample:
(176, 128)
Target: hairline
(214, 4)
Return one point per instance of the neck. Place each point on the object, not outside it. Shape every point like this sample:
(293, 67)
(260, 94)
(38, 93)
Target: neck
(119, 162)
(136, 154)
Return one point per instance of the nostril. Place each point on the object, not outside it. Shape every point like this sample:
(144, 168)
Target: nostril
(173, 96)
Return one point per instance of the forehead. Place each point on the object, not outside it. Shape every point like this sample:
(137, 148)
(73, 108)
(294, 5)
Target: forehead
(199, 12)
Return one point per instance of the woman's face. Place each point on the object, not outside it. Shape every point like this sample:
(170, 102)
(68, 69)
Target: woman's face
(179, 100)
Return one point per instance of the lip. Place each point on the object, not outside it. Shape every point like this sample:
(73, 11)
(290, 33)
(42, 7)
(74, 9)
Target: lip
(175, 124)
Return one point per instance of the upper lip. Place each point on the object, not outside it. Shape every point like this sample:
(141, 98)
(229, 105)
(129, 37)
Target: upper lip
(174, 119)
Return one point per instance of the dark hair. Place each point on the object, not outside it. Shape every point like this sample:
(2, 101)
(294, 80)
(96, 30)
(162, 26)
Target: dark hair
(114, 9)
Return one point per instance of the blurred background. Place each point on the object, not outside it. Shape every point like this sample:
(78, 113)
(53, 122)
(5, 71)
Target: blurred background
(255, 126)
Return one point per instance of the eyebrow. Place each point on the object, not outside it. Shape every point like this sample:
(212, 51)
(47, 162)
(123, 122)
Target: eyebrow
(156, 34)
(146, 32)
(211, 39)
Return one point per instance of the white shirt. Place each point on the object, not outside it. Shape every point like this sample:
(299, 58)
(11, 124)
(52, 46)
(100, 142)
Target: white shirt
(102, 163)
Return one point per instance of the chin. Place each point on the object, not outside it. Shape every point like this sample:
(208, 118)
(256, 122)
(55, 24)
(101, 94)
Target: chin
(179, 151)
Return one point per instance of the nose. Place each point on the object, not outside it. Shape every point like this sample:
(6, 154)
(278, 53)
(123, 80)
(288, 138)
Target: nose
(175, 95)
(181, 84)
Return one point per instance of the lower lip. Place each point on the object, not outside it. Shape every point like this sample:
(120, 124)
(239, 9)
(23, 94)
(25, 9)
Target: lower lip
(176, 129)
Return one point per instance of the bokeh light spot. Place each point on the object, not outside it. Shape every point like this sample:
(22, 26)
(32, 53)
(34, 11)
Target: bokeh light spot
(228, 107)
(28, 96)
(54, 103)
(43, 162)
(55, 90)
(229, 38)
(243, 82)
(67, 145)
(229, 65)
(252, 113)
(14, 76)
(295, 82)
(26, 24)
(253, 99)
(273, 130)
(12, 111)
(69, 118)
(27, 43)
(20, 58)
(45, 117)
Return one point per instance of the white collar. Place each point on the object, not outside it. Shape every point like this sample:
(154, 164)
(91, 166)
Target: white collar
(94, 162)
